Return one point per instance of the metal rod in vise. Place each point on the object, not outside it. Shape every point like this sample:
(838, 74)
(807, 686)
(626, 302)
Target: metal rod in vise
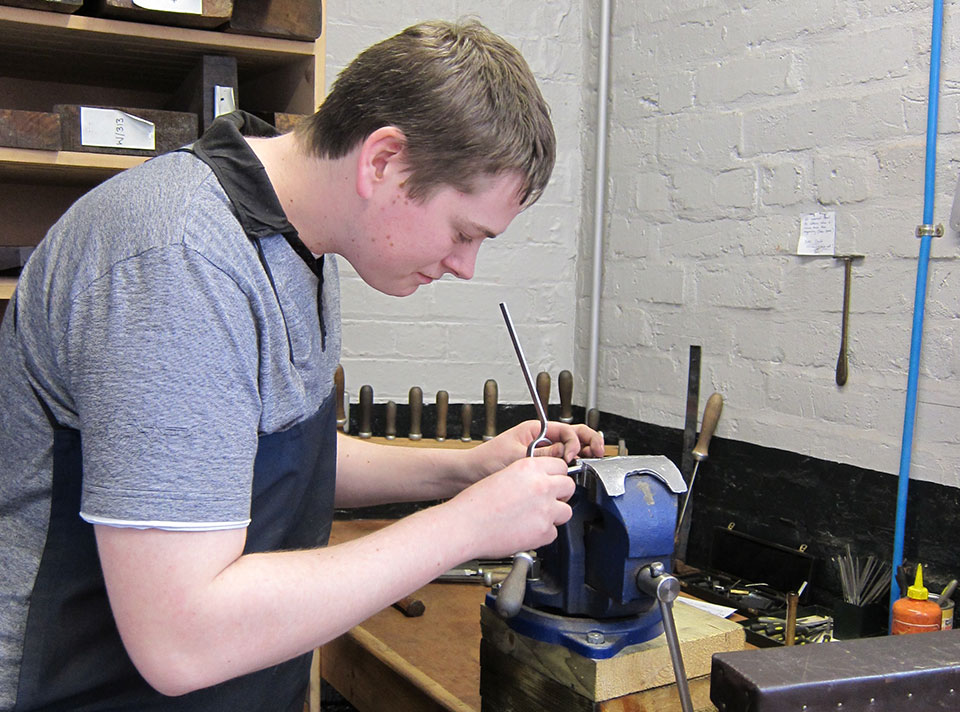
(514, 586)
(541, 413)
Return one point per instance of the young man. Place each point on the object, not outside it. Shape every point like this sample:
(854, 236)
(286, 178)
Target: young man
(170, 457)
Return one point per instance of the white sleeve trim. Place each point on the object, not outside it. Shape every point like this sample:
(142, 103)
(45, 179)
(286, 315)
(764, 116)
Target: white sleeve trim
(167, 526)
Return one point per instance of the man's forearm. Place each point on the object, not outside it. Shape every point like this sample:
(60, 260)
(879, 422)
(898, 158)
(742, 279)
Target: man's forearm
(186, 630)
(369, 473)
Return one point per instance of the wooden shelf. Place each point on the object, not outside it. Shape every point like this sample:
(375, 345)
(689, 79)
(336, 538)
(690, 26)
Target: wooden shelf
(43, 39)
(7, 285)
(49, 58)
(53, 47)
(24, 165)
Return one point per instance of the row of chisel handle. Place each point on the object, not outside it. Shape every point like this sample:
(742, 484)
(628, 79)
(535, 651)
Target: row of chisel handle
(490, 400)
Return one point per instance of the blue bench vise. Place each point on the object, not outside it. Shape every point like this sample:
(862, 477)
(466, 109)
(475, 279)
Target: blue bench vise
(595, 589)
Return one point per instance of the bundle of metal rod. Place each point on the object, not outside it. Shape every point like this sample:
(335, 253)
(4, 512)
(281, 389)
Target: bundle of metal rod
(863, 583)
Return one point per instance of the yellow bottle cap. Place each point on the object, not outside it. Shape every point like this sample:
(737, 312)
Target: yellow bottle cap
(917, 591)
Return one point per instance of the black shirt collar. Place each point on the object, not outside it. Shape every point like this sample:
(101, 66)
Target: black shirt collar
(245, 181)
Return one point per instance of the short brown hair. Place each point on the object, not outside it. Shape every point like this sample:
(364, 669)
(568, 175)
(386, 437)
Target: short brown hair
(464, 98)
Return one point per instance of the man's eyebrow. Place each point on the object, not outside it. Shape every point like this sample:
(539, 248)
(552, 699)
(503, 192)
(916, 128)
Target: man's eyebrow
(471, 226)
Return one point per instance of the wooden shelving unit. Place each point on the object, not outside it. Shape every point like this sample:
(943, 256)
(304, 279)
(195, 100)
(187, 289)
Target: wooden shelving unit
(48, 58)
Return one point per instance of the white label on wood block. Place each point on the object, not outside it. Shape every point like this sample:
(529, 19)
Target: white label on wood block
(115, 129)
(223, 100)
(190, 7)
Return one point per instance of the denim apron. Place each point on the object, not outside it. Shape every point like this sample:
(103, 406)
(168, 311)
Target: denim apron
(73, 656)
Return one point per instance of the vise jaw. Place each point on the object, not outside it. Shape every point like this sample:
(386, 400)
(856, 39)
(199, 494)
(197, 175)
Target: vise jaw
(624, 515)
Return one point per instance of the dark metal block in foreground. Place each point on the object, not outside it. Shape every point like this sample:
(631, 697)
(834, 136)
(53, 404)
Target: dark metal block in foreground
(888, 674)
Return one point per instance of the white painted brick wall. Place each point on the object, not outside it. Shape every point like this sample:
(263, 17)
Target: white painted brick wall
(766, 110)
(450, 335)
(729, 119)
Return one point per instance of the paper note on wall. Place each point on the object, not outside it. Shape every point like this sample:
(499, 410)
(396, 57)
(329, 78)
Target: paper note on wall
(818, 234)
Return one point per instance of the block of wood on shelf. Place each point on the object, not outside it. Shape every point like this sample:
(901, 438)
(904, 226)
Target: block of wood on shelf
(285, 122)
(205, 14)
(30, 129)
(211, 89)
(290, 19)
(52, 5)
(111, 129)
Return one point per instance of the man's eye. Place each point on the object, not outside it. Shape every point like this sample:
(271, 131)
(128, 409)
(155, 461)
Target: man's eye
(463, 237)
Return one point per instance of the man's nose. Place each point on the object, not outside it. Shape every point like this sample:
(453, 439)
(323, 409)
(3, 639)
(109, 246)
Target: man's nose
(463, 260)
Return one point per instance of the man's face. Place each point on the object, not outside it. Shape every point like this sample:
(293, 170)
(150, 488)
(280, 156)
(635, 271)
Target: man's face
(403, 243)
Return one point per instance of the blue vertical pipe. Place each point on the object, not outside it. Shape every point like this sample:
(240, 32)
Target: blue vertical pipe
(910, 411)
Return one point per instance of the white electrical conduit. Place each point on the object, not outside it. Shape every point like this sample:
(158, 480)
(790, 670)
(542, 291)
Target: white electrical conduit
(600, 178)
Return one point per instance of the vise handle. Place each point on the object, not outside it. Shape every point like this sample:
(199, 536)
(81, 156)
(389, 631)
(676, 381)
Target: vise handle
(514, 586)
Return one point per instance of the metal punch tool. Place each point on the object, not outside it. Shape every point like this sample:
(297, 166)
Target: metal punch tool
(510, 595)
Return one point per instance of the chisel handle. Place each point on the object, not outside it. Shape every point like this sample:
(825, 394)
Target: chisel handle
(366, 411)
(490, 395)
(390, 429)
(443, 404)
(415, 398)
(565, 387)
(543, 388)
(466, 420)
(711, 414)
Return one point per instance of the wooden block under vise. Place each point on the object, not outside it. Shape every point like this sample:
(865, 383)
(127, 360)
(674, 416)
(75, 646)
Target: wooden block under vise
(30, 129)
(527, 675)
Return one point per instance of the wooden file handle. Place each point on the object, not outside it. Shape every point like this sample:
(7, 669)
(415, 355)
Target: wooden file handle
(416, 412)
(543, 389)
(366, 411)
(490, 395)
(565, 386)
(711, 414)
(443, 403)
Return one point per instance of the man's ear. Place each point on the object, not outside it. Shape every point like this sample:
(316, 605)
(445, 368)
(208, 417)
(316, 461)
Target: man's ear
(380, 159)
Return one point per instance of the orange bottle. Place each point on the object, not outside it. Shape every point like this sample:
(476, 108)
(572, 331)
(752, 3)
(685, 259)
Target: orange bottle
(915, 613)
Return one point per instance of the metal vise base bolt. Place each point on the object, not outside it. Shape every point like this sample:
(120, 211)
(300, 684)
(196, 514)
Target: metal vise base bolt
(665, 588)
(595, 637)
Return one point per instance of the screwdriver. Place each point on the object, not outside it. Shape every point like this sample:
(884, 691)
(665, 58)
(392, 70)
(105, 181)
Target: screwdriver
(711, 414)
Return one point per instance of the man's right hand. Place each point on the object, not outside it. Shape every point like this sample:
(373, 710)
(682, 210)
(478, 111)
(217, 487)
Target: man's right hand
(517, 508)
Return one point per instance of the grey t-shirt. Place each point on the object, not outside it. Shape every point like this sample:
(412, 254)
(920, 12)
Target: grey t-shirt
(146, 321)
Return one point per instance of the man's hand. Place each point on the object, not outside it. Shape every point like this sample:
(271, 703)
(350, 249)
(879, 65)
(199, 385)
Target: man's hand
(568, 442)
(516, 508)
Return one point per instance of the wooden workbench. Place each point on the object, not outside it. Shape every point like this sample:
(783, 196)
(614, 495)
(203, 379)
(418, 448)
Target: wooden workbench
(432, 663)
